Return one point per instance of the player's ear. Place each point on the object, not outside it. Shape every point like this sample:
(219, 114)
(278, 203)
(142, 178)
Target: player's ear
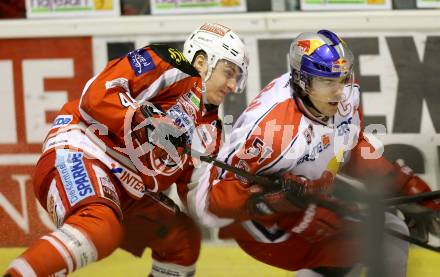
(201, 64)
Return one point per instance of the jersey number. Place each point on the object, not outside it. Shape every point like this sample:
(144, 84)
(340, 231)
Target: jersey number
(125, 101)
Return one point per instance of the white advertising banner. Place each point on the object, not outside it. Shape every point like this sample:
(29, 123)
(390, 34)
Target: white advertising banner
(71, 8)
(307, 5)
(196, 6)
(428, 3)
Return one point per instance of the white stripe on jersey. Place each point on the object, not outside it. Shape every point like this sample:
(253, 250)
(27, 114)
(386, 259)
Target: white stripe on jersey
(83, 113)
(77, 136)
(238, 140)
(67, 137)
(197, 199)
(78, 244)
(259, 235)
(279, 158)
(23, 267)
(168, 78)
(62, 251)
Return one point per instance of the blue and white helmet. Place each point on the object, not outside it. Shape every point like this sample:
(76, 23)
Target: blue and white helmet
(219, 43)
(320, 54)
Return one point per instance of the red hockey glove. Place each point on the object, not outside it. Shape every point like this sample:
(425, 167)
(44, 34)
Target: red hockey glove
(287, 195)
(317, 224)
(413, 185)
(269, 202)
(157, 132)
(423, 219)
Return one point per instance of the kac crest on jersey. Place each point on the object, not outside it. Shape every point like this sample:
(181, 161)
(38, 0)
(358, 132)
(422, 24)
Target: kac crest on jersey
(140, 61)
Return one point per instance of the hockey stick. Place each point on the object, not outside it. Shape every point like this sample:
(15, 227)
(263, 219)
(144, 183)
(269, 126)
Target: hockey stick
(356, 194)
(413, 240)
(413, 198)
(350, 192)
(261, 180)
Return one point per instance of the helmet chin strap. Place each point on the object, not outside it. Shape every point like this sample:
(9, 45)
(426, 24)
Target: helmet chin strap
(205, 81)
(205, 101)
(308, 104)
(208, 74)
(311, 110)
(311, 107)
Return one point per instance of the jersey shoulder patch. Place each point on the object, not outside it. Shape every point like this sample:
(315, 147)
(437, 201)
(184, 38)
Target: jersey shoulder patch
(140, 61)
(174, 57)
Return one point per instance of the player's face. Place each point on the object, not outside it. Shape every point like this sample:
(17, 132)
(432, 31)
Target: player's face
(223, 80)
(326, 93)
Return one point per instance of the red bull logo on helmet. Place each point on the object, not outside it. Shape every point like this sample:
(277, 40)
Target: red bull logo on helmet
(309, 46)
(341, 65)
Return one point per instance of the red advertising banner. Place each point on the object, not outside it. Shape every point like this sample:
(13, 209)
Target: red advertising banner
(38, 77)
(22, 220)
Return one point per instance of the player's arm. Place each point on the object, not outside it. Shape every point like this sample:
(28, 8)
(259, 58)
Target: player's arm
(364, 163)
(285, 200)
(217, 197)
(109, 97)
(255, 146)
(113, 96)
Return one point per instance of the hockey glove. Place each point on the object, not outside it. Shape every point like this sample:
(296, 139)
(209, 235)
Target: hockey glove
(413, 185)
(287, 195)
(317, 224)
(424, 218)
(158, 133)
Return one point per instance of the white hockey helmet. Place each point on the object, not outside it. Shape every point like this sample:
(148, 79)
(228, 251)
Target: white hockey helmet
(219, 43)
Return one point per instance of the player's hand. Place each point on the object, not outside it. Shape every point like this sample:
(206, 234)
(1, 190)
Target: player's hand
(422, 218)
(421, 221)
(296, 185)
(288, 193)
(263, 202)
(413, 185)
(318, 224)
(161, 134)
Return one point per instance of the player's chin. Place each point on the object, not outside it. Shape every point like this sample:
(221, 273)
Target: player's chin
(219, 99)
(331, 109)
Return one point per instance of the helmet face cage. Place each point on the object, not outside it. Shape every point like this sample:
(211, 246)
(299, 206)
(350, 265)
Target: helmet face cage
(219, 43)
(321, 55)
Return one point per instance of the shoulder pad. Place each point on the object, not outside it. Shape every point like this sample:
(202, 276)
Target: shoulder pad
(174, 57)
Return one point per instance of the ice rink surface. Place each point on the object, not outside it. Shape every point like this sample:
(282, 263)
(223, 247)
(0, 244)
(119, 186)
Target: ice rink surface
(218, 261)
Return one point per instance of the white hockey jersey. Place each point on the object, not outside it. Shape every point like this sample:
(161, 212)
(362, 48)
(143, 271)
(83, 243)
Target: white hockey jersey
(274, 136)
